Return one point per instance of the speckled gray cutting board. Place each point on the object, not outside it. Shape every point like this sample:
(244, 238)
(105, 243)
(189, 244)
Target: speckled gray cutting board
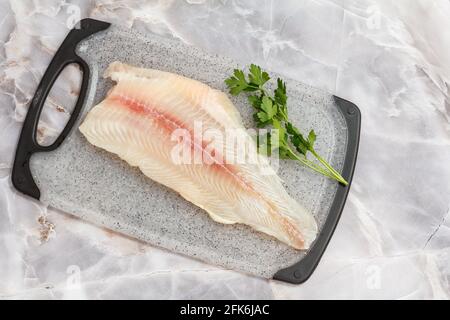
(97, 186)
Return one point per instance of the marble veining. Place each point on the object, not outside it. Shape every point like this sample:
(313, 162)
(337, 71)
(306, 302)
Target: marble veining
(391, 58)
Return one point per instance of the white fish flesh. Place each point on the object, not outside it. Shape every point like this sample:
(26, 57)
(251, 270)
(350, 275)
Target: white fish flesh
(137, 121)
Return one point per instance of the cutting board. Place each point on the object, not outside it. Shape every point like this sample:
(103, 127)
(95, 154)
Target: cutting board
(76, 177)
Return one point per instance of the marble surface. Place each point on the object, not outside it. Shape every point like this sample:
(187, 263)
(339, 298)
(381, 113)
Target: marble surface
(391, 58)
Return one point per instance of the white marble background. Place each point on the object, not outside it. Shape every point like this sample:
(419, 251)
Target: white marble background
(392, 58)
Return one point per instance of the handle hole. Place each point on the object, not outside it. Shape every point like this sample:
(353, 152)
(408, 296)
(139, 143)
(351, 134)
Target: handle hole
(59, 104)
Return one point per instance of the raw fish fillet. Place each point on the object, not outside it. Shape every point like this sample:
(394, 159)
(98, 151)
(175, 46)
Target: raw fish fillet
(137, 121)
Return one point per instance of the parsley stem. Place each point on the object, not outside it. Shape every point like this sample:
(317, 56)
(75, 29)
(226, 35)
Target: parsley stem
(329, 172)
(284, 115)
(336, 174)
(311, 165)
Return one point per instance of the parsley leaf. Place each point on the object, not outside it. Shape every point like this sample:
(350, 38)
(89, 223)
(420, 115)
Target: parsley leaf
(280, 93)
(257, 76)
(268, 107)
(237, 83)
(311, 138)
(255, 101)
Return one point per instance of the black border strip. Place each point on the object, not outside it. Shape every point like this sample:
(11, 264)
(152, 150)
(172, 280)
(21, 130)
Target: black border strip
(21, 176)
(302, 270)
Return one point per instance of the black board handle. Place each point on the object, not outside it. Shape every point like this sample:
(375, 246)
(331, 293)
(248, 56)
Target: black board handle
(302, 270)
(21, 175)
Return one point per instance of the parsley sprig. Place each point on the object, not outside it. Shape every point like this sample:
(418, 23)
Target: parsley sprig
(271, 111)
